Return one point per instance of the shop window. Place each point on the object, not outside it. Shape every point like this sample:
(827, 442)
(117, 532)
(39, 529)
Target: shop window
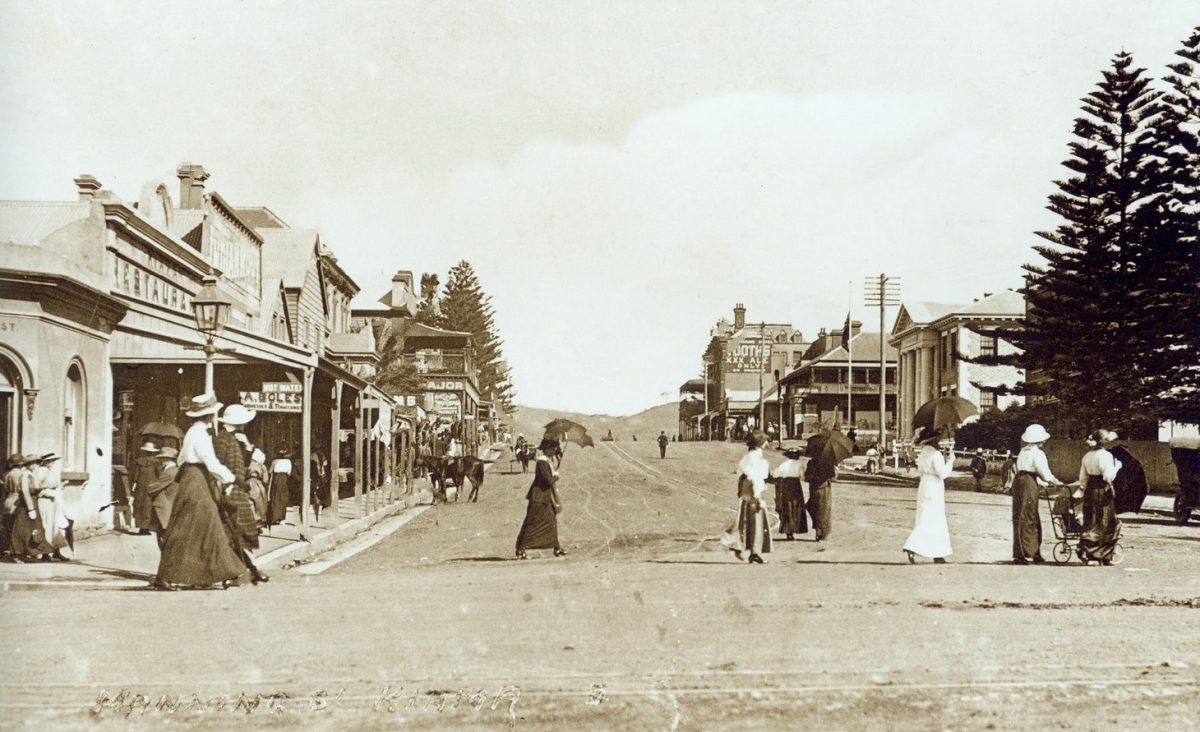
(74, 449)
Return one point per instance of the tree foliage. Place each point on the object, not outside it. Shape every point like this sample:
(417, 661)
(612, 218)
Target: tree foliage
(465, 307)
(1101, 338)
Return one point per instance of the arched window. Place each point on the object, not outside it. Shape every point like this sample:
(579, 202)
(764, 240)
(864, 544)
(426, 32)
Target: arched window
(74, 449)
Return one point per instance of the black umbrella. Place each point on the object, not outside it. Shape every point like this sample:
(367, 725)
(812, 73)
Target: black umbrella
(556, 428)
(578, 434)
(70, 532)
(161, 429)
(831, 447)
(947, 411)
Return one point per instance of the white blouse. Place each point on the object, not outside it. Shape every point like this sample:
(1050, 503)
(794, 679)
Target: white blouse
(756, 468)
(1031, 459)
(197, 448)
(931, 462)
(1098, 462)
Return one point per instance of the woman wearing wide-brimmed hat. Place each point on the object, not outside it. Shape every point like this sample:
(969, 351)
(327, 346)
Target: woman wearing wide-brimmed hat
(1101, 527)
(753, 529)
(930, 536)
(789, 495)
(197, 551)
(540, 528)
(1032, 467)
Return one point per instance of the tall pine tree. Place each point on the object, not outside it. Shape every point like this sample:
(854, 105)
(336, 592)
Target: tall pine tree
(465, 307)
(1167, 319)
(1076, 347)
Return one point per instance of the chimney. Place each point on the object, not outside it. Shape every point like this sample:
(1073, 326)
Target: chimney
(855, 327)
(402, 286)
(739, 316)
(191, 184)
(88, 187)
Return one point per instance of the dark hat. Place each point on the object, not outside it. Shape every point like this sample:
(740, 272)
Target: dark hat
(168, 453)
(757, 439)
(547, 444)
(792, 453)
(47, 458)
(928, 436)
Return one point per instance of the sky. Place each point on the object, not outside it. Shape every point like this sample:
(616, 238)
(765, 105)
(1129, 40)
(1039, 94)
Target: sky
(619, 174)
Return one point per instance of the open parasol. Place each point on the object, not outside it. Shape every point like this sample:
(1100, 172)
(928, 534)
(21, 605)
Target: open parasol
(578, 434)
(161, 429)
(556, 428)
(947, 411)
(832, 447)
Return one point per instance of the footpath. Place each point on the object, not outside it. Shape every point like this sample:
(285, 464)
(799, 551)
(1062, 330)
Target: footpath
(120, 559)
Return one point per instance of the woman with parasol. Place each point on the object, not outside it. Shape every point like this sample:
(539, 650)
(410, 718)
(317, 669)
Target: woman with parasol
(540, 528)
(1101, 527)
(930, 536)
(825, 451)
(1032, 467)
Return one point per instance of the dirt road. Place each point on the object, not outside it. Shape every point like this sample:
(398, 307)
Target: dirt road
(647, 624)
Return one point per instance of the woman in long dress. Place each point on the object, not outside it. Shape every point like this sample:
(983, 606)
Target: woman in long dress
(789, 495)
(930, 536)
(52, 517)
(278, 489)
(819, 475)
(1101, 527)
(196, 550)
(753, 530)
(540, 528)
(1032, 467)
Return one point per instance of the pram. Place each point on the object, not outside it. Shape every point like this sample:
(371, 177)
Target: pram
(1067, 523)
(1185, 453)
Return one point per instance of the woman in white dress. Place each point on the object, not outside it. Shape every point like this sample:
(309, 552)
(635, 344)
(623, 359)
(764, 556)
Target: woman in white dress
(930, 536)
(753, 532)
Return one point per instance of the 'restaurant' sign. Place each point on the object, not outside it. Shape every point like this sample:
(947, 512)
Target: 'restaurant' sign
(275, 396)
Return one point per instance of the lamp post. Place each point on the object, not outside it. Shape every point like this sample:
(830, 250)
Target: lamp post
(211, 309)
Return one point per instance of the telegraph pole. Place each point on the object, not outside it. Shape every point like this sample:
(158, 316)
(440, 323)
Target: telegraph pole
(762, 365)
(882, 291)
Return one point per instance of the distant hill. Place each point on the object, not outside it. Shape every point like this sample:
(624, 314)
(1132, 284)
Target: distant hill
(645, 424)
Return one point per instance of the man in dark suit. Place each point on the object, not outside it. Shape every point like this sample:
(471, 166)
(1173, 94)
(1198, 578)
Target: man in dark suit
(662, 444)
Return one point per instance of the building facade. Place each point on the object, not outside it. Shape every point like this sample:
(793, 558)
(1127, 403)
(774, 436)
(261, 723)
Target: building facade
(931, 340)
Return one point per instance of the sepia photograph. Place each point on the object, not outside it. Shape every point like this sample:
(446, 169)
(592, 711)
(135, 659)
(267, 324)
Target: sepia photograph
(600, 365)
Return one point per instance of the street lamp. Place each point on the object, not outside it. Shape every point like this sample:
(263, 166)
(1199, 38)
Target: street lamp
(211, 309)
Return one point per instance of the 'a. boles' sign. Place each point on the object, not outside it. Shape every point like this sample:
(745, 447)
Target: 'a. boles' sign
(747, 355)
(281, 396)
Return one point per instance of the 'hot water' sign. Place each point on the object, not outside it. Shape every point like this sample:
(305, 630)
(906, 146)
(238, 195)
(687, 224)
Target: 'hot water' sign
(276, 396)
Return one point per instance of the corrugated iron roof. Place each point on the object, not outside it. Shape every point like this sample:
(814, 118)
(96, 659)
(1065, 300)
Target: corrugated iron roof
(28, 222)
(288, 254)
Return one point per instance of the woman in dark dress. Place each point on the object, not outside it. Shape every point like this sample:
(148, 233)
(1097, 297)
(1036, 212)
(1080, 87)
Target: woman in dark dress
(278, 489)
(540, 529)
(197, 551)
(146, 473)
(1101, 528)
(789, 495)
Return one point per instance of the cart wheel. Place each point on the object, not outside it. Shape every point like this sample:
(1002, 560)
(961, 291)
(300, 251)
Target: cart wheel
(1181, 510)
(1062, 552)
(1118, 554)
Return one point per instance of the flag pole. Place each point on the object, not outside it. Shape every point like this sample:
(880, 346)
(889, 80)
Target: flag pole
(849, 356)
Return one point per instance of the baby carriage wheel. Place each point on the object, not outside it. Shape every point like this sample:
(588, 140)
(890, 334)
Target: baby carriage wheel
(1062, 552)
(1118, 554)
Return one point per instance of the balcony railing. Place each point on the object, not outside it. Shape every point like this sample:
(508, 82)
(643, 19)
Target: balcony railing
(820, 388)
(443, 363)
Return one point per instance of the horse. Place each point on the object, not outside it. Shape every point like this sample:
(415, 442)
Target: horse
(525, 456)
(444, 471)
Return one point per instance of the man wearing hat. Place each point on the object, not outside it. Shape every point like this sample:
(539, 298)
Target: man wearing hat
(145, 474)
(162, 494)
(978, 469)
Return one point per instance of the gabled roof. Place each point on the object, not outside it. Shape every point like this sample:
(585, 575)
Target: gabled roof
(1004, 303)
(288, 254)
(864, 348)
(261, 217)
(692, 385)
(28, 222)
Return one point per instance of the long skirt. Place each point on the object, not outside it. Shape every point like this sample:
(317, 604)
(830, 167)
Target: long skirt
(930, 536)
(1102, 527)
(540, 528)
(789, 503)
(237, 510)
(24, 529)
(820, 506)
(1026, 519)
(277, 499)
(197, 550)
(754, 531)
(52, 523)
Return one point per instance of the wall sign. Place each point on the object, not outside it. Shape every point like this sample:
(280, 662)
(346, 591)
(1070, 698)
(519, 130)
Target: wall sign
(275, 397)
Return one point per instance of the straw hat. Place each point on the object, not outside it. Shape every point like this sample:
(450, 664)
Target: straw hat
(148, 447)
(236, 414)
(48, 458)
(168, 453)
(203, 405)
(1035, 433)
(792, 453)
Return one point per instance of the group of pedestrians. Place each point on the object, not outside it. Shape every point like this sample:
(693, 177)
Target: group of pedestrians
(930, 536)
(35, 522)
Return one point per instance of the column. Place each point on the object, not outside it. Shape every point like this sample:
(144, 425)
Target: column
(358, 456)
(306, 448)
(335, 451)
